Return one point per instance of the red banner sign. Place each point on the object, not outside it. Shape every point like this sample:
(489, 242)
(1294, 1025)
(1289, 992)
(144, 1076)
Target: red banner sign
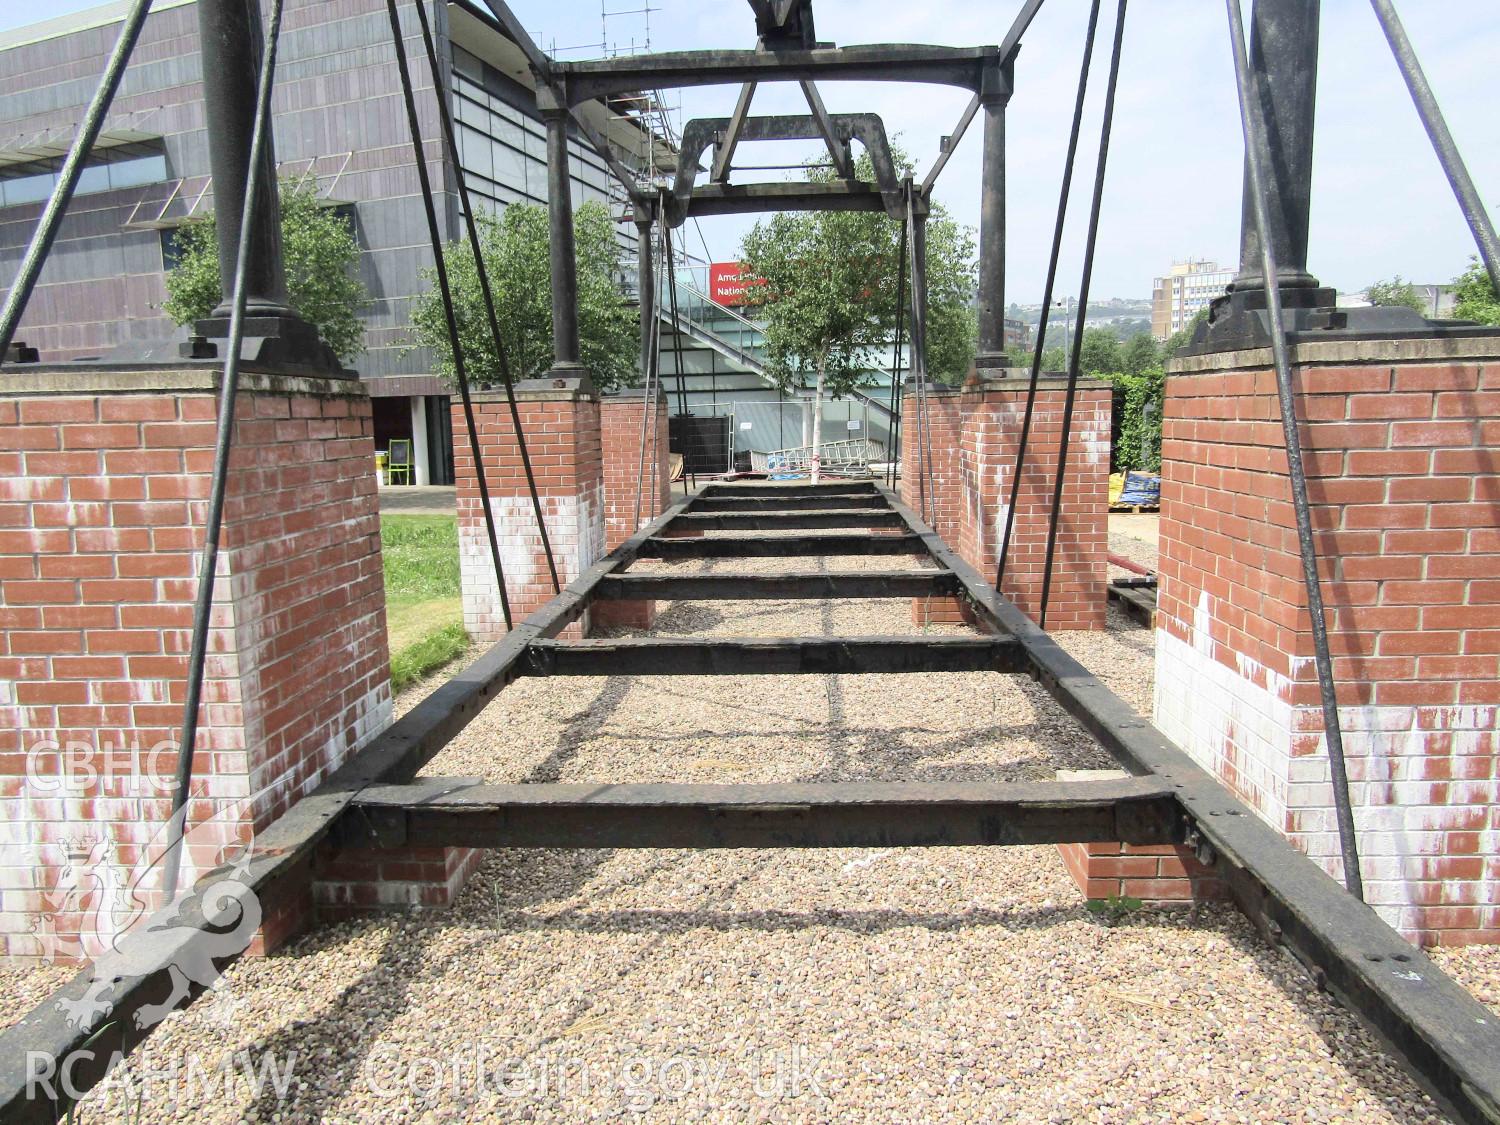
(727, 286)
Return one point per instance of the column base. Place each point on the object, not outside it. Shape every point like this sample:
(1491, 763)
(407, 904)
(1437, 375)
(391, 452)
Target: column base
(1240, 321)
(271, 340)
(1402, 481)
(563, 377)
(357, 882)
(621, 615)
(994, 365)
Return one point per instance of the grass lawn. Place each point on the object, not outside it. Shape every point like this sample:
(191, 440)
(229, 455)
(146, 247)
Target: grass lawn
(424, 613)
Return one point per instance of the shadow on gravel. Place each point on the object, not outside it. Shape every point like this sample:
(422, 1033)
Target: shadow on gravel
(1129, 632)
(515, 921)
(1363, 1056)
(346, 1032)
(685, 617)
(668, 922)
(581, 728)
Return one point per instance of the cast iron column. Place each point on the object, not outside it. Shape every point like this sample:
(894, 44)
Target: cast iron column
(231, 41)
(919, 290)
(646, 283)
(1284, 62)
(560, 241)
(993, 98)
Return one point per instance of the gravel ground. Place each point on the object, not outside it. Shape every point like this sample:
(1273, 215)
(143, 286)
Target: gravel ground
(1133, 537)
(925, 726)
(946, 984)
(832, 564)
(22, 989)
(1476, 967)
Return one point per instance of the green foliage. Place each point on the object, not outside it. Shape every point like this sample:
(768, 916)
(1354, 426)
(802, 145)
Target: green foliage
(1475, 294)
(1137, 433)
(1099, 353)
(1054, 359)
(193, 290)
(952, 326)
(1139, 381)
(516, 258)
(320, 254)
(1140, 354)
(430, 653)
(1114, 908)
(1135, 371)
(1396, 293)
(1184, 336)
(830, 298)
(421, 557)
(421, 588)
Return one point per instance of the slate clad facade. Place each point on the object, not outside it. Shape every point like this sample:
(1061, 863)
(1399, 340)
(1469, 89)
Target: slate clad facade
(339, 122)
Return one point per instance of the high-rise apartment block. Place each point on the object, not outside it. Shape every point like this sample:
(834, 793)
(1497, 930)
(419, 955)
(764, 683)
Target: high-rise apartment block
(1187, 288)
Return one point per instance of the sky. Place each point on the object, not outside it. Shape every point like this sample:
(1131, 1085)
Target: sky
(1381, 205)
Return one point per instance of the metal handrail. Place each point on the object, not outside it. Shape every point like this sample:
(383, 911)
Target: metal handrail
(702, 332)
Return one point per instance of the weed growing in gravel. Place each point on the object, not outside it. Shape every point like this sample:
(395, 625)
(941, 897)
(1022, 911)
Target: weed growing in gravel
(1112, 909)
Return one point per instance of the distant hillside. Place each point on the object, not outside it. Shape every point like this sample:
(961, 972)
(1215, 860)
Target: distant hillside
(1127, 316)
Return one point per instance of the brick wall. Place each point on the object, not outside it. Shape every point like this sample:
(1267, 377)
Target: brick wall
(560, 420)
(974, 441)
(1404, 479)
(1158, 874)
(943, 433)
(987, 459)
(943, 494)
(355, 882)
(620, 432)
(627, 478)
(103, 480)
(1154, 873)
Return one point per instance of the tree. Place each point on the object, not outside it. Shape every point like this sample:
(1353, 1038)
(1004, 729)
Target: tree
(1099, 352)
(1184, 335)
(516, 258)
(1396, 293)
(319, 252)
(1140, 354)
(829, 299)
(1054, 359)
(952, 323)
(1475, 294)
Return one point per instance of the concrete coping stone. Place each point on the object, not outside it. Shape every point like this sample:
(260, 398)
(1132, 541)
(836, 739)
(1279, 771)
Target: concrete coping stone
(561, 384)
(628, 394)
(207, 378)
(1046, 381)
(1342, 352)
(1092, 775)
(1002, 384)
